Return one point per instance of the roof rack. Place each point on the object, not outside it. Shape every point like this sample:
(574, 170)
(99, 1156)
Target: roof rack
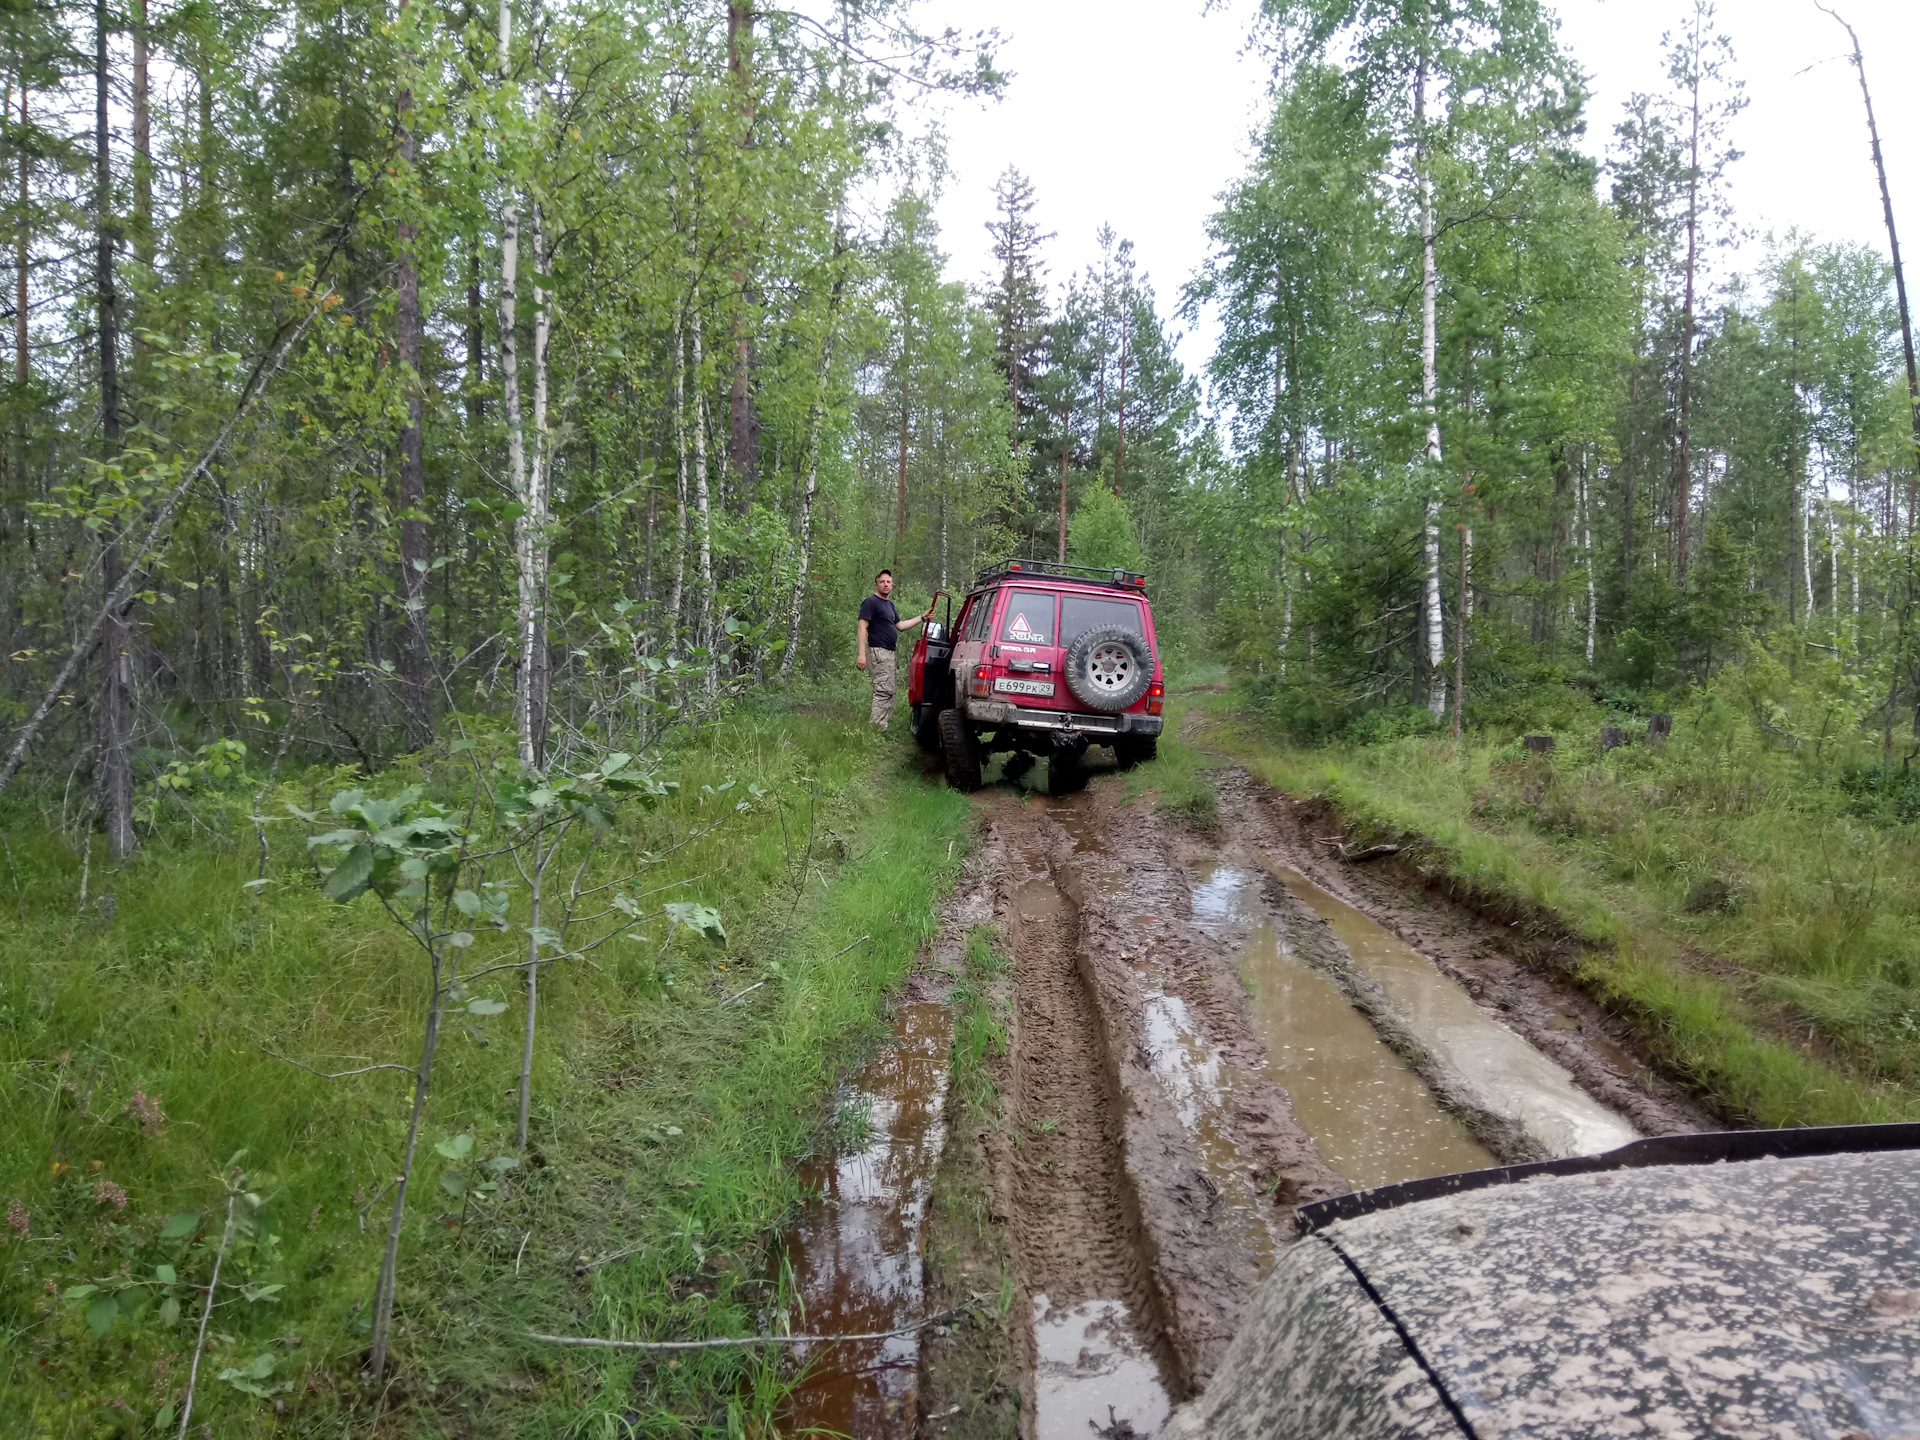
(1084, 574)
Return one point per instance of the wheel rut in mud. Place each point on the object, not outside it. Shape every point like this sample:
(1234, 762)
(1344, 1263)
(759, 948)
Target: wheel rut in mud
(1080, 1262)
(1202, 1032)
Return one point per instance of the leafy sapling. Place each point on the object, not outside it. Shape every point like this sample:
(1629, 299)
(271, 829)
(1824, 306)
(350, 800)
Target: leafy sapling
(429, 870)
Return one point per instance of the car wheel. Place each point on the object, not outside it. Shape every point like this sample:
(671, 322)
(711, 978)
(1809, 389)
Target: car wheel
(926, 728)
(1136, 750)
(962, 751)
(1108, 667)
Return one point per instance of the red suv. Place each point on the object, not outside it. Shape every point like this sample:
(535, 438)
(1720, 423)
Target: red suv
(1044, 660)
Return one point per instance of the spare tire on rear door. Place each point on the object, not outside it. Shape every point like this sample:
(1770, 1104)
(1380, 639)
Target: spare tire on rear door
(1109, 667)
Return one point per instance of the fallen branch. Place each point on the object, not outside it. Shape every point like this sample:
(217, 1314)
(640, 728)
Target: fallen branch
(337, 1074)
(596, 1343)
(136, 569)
(1346, 852)
(206, 1313)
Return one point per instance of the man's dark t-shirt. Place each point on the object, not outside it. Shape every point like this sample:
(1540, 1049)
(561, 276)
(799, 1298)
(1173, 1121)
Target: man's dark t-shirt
(883, 622)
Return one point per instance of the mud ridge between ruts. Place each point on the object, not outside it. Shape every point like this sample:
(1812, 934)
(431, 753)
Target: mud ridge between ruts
(1522, 976)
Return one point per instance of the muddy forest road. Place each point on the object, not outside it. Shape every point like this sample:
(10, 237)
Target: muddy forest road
(1203, 1031)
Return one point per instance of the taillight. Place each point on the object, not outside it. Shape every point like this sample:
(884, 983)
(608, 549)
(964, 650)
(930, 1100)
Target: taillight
(1156, 698)
(979, 686)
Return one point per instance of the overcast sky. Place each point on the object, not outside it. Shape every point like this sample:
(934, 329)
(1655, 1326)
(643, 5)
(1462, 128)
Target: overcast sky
(1138, 113)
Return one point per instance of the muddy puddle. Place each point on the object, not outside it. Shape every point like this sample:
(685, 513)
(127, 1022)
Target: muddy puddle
(1372, 1118)
(856, 1254)
(1089, 1369)
(1511, 1078)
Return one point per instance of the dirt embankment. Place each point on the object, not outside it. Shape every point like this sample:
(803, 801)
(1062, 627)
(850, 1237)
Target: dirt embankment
(1522, 974)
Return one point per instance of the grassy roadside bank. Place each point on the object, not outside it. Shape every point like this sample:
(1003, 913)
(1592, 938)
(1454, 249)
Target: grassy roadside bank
(664, 1125)
(1760, 932)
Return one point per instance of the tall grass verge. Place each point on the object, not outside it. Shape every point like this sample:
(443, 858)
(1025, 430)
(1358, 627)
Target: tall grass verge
(666, 1113)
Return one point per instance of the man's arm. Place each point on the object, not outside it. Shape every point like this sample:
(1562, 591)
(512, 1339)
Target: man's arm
(919, 619)
(860, 635)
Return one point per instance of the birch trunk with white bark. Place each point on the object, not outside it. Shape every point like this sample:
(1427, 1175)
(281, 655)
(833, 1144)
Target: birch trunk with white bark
(1430, 402)
(705, 633)
(527, 597)
(534, 662)
(677, 599)
(1586, 548)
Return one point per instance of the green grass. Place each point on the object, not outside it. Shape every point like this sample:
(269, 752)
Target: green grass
(664, 1126)
(1177, 780)
(1794, 1002)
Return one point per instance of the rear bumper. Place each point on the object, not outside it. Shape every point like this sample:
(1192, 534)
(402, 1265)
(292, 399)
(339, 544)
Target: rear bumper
(1005, 716)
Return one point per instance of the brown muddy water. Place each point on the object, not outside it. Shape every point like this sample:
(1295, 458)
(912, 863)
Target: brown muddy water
(1511, 1078)
(856, 1254)
(1373, 1119)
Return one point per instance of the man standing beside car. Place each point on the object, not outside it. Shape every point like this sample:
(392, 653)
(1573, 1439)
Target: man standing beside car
(878, 636)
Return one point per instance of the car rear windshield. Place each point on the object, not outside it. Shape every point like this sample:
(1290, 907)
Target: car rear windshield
(1028, 619)
(1081, 613)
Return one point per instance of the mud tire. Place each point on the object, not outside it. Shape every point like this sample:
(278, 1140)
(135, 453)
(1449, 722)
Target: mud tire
(1132, 750)
(961, 750)
(1108, 667)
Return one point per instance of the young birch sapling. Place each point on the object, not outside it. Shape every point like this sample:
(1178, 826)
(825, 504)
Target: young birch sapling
(429, 871)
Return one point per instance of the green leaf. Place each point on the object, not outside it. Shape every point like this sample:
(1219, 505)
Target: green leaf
(466, 902)
(457, 1148)
(169, 1311)
(544, 937)
(180, 1225)
(351, 876)
(459, 939)
(102, 1313)
(500, 1164)
(455, 1184)
(485, 1007)
(165, 1275)
(80, 1292)
(247, 1378)
(702, 919)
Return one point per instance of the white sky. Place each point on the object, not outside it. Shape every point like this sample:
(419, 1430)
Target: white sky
(1138, 113)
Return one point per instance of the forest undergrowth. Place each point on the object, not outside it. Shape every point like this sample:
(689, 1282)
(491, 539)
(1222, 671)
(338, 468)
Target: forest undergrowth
(669, 1102)
(1746, 894)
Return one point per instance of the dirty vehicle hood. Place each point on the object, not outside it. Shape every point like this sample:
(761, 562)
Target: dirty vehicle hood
(1775, 1298)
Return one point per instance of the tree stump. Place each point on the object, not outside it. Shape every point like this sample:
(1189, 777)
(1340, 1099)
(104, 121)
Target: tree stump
(1612, 737)
(1539, 744)
(1659, 728)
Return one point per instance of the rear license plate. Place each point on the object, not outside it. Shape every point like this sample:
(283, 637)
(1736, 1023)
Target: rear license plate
(1023, 687)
